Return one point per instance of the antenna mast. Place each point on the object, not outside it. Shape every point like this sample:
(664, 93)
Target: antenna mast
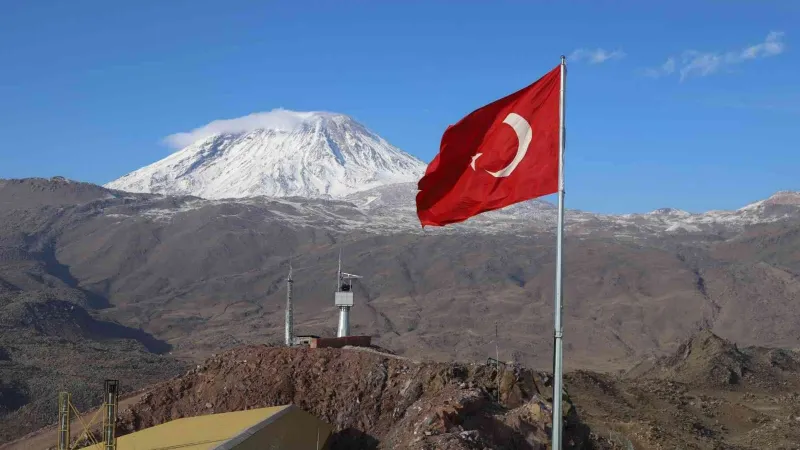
(289, 332)
(339, 273)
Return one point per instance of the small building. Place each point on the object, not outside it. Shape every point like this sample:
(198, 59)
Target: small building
(339, 342)
(305, 340)
(285, 427)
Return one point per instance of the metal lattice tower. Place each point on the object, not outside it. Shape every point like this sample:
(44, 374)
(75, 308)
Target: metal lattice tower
(109, 420)
(63, 420)
(289, 309)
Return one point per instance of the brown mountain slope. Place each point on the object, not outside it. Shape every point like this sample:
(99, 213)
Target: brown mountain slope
(437, 293)
(204, 276)
(186, 273)
(50, 343)
(709, 394)
(708, 360)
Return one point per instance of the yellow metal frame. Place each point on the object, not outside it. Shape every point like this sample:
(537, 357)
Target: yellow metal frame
(65, 399)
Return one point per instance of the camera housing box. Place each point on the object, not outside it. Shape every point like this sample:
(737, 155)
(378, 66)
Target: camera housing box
(343, 299)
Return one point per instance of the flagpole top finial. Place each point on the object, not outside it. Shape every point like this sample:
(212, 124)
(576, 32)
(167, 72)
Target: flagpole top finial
(563, 59)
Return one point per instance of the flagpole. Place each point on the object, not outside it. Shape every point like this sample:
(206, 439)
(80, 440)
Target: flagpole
(558, 351)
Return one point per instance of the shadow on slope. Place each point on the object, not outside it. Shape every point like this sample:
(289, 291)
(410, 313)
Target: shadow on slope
(110, 331)
(50, 343)
(59, 313)
(61, 271)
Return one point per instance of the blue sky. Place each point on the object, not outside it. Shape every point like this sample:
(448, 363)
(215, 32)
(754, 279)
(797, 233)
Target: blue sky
(89, 89)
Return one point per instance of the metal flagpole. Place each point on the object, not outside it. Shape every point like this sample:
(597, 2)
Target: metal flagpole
(497, 359)
(558, 352)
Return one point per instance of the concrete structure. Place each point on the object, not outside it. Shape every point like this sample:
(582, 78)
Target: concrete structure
(305, 340)
(343, 298)
(344, 302)
(320, 342)
(284, 427)
(339, 342)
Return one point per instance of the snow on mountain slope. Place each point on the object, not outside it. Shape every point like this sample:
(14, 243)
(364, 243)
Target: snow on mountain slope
(393, 207)
(396, 204)
(390, 209)
(307, 154)
(387, 210)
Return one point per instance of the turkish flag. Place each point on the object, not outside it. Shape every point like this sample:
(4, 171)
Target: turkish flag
(503, 153)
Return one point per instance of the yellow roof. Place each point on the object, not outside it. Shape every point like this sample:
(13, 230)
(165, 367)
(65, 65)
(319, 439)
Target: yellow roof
(194, 433)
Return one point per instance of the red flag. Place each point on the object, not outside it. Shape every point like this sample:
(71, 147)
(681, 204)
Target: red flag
(503, 153)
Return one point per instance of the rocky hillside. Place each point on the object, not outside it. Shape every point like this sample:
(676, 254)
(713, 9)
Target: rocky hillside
(708, 394)
(49, 343)
(200, 276)
(374, 400)
(377, 400)
(708, 360)
(204, 265)
(51, 335)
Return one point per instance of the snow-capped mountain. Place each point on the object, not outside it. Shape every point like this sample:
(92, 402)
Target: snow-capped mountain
(390, 209)
(306, 154)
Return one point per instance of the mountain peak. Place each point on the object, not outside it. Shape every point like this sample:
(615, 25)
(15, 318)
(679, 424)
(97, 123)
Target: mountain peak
(669, 212)
(278, 153)
(780, 198)
(785, 198)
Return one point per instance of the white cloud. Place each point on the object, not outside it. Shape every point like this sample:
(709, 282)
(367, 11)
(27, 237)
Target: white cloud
(695, 63)
(596, 56)
(665, 69)
(278, 119)
(772, 46)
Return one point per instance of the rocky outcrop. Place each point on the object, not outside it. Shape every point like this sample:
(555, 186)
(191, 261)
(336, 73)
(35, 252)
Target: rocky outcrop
(374, 400)
(706, 359)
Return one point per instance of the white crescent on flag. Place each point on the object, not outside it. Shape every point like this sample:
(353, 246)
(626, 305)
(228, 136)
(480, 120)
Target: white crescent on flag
(524, 136)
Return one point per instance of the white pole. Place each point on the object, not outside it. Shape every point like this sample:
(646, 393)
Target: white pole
(558, 351)
(497, 359)
(289, 326)
(339, 273)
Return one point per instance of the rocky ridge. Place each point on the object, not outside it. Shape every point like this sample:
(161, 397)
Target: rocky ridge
(374, 400)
